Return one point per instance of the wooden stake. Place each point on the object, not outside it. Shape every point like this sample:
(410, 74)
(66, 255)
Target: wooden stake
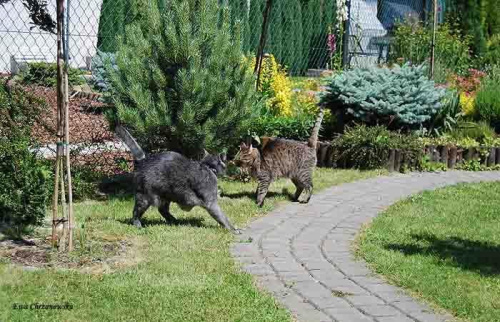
(433, 43)
(62, 241)
(68, 165)
(59, 124)
(262, 42)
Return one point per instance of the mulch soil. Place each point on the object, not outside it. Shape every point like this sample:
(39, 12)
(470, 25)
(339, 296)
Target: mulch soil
(88, 128)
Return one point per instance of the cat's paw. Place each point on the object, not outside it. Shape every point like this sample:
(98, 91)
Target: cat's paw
(137, 223)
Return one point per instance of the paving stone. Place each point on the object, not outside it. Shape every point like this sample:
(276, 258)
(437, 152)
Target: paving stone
(312, 289)
(309, 248)
(354, 316)
(411, 306)
(380, 310)
(258, 269)
(400, 318)
(363, 300)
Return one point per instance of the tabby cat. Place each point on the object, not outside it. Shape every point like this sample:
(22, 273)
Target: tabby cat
(279, 158)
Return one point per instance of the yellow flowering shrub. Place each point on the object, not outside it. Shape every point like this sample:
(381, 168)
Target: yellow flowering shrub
(276, 85)
(467, 104)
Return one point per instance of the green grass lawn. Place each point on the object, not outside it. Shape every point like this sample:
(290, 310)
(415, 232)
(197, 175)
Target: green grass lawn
(184, 272)
(443, 246)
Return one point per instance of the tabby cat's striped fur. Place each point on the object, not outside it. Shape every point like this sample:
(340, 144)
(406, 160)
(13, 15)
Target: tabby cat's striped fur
(283, 158)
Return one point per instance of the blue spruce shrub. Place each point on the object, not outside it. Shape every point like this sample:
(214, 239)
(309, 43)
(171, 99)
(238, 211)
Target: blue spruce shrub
(399, 97)
(100, 74)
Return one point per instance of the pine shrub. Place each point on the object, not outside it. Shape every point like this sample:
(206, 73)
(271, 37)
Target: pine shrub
(182, 83)
(400, 97)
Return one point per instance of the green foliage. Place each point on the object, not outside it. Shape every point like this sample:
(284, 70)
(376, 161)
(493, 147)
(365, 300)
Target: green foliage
(412, 43)
(45, 74)
(492, 55)
(427, 165)
(488, 101)
(447, 117)
(18, 111)
(100, 76)
(366, 147)
(470, 165)
(401, 97)
(297, 31)
(112, 23)
(182, 83)
(477, 131)
(479, 19)
(296, 127)
(24, 189)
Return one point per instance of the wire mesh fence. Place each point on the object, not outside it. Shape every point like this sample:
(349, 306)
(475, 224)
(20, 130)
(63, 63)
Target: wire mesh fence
(303, 35)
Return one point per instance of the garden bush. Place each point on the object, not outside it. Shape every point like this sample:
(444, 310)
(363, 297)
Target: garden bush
(45, 74)
(275, 86)
(100, 76)
(18, 110)
(296, 127)
(412, 43)
(367, 147)
(487, 101)
(24, 178)
(181, 82)
(25, 186)
(400, 98)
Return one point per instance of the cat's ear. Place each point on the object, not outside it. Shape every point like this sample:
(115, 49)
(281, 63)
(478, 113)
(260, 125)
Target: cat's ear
(243, 146)
(223, 157)
(205, 153)
(250, 148)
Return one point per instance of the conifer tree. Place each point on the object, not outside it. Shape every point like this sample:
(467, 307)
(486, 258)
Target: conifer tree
(292, 36)
(256, 20)
(111, 24)
(182, 83)
(275, 31)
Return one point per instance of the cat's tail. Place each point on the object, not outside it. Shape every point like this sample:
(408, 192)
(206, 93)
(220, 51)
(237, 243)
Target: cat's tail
(313, 139)
(130, 142)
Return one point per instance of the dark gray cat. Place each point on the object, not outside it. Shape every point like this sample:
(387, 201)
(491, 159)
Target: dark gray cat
(170, 177)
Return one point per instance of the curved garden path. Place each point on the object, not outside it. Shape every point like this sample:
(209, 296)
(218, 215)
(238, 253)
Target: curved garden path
(301, 253)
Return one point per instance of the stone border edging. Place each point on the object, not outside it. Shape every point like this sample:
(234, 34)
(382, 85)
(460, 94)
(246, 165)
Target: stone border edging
(301, 253)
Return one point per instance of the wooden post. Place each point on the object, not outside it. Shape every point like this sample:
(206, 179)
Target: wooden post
(444, 154)
(497, 157)
(397, 160)
(68, 165)
(262, 42)
(433, 42)
(59, 122)
(390, 162)
(492, 157)
(452, 159)
(62, 140)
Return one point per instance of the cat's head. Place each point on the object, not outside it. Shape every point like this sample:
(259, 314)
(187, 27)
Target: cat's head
(248, 156)
(216, 162)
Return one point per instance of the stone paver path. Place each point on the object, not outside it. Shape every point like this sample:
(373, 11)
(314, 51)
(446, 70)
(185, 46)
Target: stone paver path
(301, 253)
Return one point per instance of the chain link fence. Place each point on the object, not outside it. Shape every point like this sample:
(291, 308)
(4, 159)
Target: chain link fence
(303, 35)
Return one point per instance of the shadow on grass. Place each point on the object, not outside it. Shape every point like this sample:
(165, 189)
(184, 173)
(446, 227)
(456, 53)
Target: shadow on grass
(119, 187)
(252, 195)
(478, 256)
(191, 222)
